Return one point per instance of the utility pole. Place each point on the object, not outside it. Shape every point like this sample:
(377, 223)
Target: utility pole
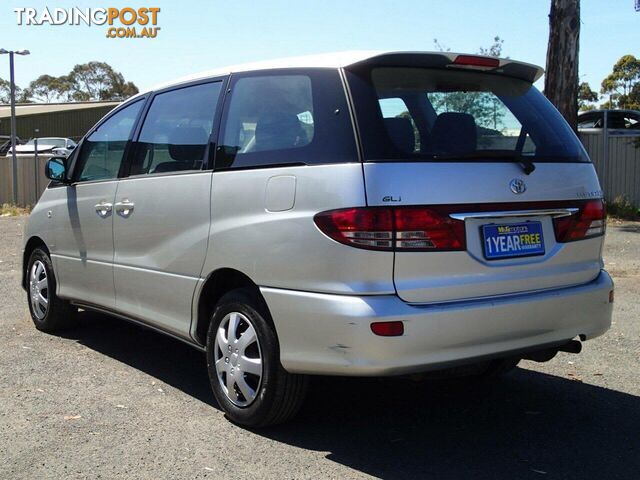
(14, 159)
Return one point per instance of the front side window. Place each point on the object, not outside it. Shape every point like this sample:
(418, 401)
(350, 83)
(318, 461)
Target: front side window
(286, 118)
(103, 151)
(176, 130)
(423, 114)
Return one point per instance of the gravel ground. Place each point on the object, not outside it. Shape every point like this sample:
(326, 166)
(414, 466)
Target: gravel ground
(109, 400)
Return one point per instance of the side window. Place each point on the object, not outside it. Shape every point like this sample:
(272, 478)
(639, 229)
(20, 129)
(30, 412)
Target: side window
(616, 120)
(102, 152)
(269, 113)
(294, 117)
(587, 121)
(632, 121)
(176, 130)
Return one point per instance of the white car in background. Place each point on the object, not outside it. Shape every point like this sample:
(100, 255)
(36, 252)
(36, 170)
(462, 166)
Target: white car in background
(47, 145)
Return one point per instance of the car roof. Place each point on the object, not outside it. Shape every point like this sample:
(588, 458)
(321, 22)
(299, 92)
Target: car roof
(600, 110)
(509, 67)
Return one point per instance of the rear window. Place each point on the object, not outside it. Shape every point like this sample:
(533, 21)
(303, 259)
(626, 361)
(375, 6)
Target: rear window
(423, 114)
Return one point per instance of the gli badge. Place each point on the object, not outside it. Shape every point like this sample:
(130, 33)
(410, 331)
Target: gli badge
(517, 186)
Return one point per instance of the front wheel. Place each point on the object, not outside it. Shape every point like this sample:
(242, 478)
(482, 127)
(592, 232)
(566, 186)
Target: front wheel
(243, 361)
(48, 312)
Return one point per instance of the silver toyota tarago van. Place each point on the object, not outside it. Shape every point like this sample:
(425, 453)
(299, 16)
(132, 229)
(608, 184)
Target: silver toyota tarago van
(363, 214)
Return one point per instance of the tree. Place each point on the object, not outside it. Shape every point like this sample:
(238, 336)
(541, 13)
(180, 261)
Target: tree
(634, 97)
(5, 93)
(495, 50)
(47, 89)
(620, 83)
(586, 96)
(98, 81)
(86, 82)
(561, 79)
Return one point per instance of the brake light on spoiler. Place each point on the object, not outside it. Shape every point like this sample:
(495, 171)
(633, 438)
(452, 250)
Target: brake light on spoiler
(472, 61)
(431, 228)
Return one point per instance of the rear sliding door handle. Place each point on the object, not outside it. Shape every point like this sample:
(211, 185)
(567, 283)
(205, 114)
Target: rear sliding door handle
(104, 209)
(124, 208)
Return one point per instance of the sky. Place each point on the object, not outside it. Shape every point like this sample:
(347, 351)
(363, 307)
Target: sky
(198, 35)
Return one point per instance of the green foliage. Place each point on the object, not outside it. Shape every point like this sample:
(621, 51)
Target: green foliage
(586, 96)
(86, 82)
(5, 93)
(621, 84)
(622, 208)
(46, 89)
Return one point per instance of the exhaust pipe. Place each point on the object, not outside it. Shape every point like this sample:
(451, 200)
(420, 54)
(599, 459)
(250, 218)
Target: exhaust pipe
(572, 346)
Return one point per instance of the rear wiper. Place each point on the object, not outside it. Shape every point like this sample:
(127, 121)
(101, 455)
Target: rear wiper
(525, 162)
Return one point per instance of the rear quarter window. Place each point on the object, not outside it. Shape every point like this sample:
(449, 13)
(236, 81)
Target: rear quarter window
(282, 117)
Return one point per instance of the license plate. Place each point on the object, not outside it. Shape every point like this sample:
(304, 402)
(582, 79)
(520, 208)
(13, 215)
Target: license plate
(512, 240)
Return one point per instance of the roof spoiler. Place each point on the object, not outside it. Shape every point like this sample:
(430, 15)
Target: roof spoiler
(500, 66)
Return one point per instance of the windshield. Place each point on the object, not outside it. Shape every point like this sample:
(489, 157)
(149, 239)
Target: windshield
(437, 114)
(56, 142)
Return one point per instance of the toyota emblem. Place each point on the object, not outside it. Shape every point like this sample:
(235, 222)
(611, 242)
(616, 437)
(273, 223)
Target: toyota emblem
(517, 186)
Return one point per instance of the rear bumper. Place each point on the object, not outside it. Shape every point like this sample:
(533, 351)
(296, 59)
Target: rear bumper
(330, 334)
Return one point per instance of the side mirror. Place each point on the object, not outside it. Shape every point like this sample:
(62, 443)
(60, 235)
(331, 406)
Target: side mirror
(56, 170)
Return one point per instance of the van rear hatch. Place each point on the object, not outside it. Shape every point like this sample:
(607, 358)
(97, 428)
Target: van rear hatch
(472, 178)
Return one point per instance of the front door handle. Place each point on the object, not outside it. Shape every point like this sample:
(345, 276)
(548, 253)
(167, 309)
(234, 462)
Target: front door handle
(124, 208)
(104, 209)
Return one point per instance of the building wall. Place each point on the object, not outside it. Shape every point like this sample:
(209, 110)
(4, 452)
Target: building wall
(70, 123)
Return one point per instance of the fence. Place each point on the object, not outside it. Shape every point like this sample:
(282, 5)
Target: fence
(616, 157)
(31, 179)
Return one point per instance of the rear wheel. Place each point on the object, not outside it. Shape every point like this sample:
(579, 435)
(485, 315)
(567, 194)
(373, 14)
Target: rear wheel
(48, 312)
(243, 360)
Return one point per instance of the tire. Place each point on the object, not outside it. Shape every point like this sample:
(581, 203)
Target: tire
(48, 312)
(246, 376)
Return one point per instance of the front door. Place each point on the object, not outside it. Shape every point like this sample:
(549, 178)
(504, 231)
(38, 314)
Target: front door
(83, 213)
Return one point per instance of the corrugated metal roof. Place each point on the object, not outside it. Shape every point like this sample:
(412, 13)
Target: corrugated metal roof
(36, 108)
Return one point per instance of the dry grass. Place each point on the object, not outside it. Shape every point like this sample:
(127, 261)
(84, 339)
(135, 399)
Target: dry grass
(9, 210)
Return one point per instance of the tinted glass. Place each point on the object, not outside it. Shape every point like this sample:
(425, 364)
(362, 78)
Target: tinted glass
(623, 120)
(56, 142)
(591, 120)
(451, 115)
(293, 117)
(176, 130)
(102, 152)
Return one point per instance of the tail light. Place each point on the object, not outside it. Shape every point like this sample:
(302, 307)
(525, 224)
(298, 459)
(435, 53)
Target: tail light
(589, 221)
(393, 229)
